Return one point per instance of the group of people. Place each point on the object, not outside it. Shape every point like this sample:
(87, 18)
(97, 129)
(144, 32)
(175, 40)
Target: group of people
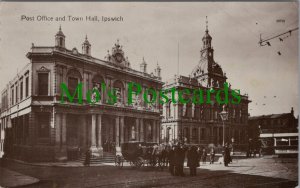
(177, 153)
(176, 158)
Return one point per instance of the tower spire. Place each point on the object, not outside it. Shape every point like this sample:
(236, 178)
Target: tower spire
(206, 25)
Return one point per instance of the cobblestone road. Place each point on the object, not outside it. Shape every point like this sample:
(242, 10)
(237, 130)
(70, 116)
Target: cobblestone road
(258, 172)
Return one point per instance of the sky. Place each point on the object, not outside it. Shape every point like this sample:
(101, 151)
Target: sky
(153, 30)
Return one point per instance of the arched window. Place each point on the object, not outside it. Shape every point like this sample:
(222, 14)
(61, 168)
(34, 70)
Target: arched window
(168, 108)
(172, 110)
(74, 77)
(97, 82)
(119, 89)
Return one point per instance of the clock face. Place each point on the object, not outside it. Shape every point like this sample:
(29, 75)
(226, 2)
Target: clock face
(119, 58)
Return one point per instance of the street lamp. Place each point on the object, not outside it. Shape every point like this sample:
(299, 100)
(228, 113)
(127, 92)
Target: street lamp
(224, 117)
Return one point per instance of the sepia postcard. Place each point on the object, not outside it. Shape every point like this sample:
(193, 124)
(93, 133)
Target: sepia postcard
(149, 94)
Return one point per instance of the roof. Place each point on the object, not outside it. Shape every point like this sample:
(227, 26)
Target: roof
(270, 116)
(270, 135)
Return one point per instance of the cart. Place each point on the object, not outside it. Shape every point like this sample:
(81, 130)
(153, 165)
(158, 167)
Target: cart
(139, 154)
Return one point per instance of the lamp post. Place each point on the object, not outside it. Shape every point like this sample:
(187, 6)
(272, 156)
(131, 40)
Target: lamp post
(224, 117)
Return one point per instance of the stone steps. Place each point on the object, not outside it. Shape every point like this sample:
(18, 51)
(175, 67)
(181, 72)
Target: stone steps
(107, 158)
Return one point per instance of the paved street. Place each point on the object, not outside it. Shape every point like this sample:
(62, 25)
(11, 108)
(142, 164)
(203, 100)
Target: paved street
(257, 172)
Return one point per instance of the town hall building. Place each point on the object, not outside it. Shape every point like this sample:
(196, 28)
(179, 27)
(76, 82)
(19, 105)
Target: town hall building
(201, 124)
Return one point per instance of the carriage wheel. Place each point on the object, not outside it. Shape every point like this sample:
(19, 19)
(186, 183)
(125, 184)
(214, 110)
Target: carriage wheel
(131, 163)
(119, 161)
(153, 161)
(139, 162)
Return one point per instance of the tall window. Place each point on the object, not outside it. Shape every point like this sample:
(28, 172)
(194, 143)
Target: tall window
(60, 42)
(12, 95)
(17, 93)
(26, 86)
(21, 90)
(118, 86)
(133, 132)
(184, 110)
(43, 125)
(72, 84)
(195, 134)
(43, 83)
(149, 132)
(203, 134)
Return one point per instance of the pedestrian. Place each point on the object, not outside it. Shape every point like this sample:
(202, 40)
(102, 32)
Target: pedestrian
(171, 159)
(204, 155)
(182, 151)
(87, 157)
(226, 154)
(200, 153)
(177, 160)
(192, 160)
(212, 155)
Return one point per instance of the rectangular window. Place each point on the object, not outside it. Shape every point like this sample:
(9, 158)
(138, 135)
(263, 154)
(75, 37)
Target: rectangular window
(203, 133)
(17, 93)
(26, 86)
(12, 95)
(21, 91)
(43, 83)
(43, 125)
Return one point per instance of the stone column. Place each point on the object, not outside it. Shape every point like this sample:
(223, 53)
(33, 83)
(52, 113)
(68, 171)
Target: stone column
(141, 130)
(93, 130)
(191, 134)
(58, 131)
(121, 129)
(199, 137)
(117, 131)
(137, 129)
(218, 135)
(158, 130)
(99, 143)
(64, 130)
(61, 137)
(154, 131)
(84, 131)
(93, 147)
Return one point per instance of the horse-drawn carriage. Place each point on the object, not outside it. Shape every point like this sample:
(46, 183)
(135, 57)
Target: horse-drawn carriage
(139, 154)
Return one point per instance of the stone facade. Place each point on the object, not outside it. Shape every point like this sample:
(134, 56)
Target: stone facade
(38, 127)
(201, 124)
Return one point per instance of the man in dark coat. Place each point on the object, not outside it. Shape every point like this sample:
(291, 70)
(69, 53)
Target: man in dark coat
(87, 158)
(180, 156)
(177, 160)
(227, 157)
(212, 155)
(171, 155)
(200, 153)
(192, 160)
(204, 155)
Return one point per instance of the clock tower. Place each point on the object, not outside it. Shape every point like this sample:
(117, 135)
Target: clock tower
(208, 72)
(206, 51)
